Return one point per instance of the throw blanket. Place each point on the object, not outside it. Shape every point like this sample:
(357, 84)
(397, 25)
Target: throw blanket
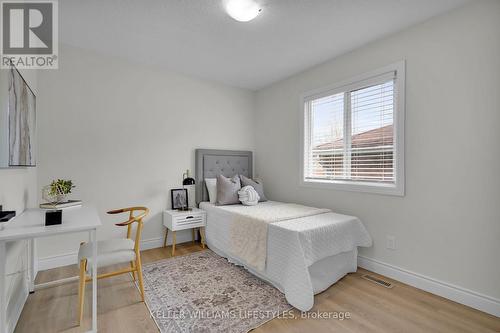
(249, 232)
(248, 196)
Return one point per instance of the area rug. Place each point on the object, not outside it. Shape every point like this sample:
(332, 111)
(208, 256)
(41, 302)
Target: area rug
(203, 292)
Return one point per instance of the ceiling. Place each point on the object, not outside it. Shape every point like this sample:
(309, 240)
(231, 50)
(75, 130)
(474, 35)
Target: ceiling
(197, 37)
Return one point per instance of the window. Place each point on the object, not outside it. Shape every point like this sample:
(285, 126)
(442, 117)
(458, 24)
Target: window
(354, 134)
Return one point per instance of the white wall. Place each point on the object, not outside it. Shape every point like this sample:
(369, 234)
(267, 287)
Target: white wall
(448, 225)
(125, 133)
(18, 186)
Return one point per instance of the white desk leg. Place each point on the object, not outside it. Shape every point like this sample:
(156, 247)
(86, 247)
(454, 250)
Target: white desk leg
(3, 307)
(93, 236)
(32, 270)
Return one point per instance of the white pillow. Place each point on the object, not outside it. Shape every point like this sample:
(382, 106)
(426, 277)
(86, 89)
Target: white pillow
(211, 184)
(248, 196)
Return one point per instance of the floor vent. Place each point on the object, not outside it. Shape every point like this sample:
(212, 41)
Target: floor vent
(377, 281)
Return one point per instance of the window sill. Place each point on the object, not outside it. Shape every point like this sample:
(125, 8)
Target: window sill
(387, 189)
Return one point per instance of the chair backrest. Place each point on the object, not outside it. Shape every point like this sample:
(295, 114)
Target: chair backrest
(136, 214)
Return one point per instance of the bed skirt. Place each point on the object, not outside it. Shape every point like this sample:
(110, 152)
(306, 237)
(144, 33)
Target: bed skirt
(323, 273)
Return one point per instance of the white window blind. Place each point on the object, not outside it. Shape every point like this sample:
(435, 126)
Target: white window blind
(349, 133)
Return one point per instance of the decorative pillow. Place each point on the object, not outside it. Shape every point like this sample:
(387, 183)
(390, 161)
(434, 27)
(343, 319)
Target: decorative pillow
(211, 184)
(248, 196)
(256, 184)
(227, 190)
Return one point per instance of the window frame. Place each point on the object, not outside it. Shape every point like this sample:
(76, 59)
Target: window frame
(370, 78)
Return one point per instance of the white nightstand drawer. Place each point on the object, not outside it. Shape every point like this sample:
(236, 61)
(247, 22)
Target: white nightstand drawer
(180, 220)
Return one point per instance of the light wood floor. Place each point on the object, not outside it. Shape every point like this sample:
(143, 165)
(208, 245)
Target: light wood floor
(373, 308)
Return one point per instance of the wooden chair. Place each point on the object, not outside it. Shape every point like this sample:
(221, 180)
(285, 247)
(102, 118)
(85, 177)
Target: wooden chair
(114, 251)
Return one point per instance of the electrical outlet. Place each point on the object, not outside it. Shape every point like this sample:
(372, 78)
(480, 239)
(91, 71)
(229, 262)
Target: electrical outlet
(391, 242)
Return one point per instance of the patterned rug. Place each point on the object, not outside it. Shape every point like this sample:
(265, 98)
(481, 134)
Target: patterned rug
(203, 292)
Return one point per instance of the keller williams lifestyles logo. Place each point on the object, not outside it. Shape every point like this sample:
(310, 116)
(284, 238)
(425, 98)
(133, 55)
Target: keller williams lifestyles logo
(29, 34)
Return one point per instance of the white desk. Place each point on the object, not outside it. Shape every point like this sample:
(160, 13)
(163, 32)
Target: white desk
(30, 225)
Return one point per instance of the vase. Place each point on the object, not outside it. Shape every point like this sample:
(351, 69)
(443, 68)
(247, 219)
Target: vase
(61, 198)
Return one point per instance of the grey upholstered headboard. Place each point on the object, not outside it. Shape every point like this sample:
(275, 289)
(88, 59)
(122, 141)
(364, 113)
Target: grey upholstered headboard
(213, 162)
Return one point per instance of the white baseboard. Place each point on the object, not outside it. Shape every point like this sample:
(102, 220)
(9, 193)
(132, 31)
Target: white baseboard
(153, 243)
(452, 292)
(58, 260)
(71, 258)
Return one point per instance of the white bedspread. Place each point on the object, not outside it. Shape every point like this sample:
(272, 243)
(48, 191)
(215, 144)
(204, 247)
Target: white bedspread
(295, 245)
(249, 232)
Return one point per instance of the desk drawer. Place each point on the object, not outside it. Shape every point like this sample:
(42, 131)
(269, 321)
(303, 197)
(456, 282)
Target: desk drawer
(16, 259)
(16, 281)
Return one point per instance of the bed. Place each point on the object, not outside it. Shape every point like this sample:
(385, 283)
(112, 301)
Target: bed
(304, 254)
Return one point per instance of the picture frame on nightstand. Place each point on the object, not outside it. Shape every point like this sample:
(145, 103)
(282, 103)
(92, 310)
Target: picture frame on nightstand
(179, 199)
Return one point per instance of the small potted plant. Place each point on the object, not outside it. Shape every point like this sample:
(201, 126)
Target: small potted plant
(58, 190)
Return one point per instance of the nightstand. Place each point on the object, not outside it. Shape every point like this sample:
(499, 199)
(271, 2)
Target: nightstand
(175, 220)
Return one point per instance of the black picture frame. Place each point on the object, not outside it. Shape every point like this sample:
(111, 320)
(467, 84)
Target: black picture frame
(177, 203)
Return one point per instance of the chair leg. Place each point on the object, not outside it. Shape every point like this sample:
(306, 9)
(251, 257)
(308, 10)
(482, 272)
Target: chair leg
(132, 265)
(81, 290)
(192, 234)
(139, 274)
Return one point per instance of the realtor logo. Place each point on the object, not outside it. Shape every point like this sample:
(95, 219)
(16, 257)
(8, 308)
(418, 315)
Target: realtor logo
(29, 34)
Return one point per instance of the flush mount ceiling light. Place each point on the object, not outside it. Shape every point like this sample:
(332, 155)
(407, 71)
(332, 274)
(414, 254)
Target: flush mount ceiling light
(242, 10)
